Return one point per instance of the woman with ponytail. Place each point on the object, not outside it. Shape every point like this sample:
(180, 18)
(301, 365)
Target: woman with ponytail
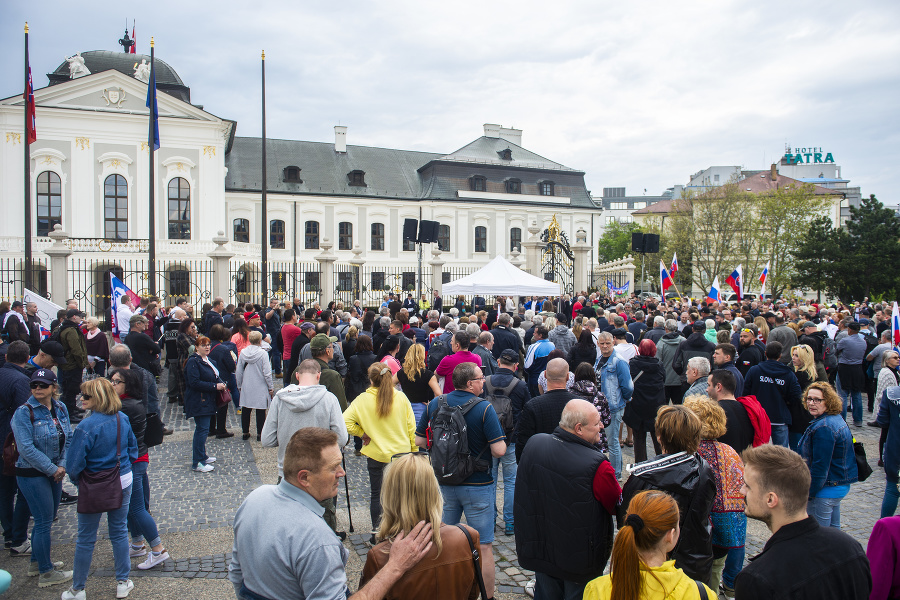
(640, 567)
(383, 418)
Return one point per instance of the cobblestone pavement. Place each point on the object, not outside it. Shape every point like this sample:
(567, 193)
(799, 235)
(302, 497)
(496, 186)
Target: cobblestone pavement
(195, 512)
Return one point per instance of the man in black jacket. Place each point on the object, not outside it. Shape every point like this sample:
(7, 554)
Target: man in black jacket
(504, 337)
(749, 353)
(144, 351)
(541, 414)
(802, 560)
(696, 344)
(566, 548)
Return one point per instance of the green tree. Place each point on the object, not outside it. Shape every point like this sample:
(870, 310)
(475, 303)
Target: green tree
(817, 258)
(872, 250)
(615, 242)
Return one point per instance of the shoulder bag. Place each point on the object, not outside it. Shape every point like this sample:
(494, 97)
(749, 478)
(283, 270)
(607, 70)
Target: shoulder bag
(862, 463)
(153, 433)
(101, 492)
(223, 396)
(476, 561)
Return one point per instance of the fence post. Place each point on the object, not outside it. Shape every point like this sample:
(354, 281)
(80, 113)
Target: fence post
(437, 270)
(629, 272)
(581, 250)
(59, 254)
(533, 249)
(221, 258)
(357, 263)
(326, 267)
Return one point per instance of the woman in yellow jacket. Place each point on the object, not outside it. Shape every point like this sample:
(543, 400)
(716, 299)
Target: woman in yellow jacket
(383, 418)
(639, 568)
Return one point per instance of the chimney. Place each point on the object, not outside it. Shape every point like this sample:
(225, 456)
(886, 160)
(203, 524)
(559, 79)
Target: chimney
(491, 130)
(340, 138)
(509, 134)
(774, 172)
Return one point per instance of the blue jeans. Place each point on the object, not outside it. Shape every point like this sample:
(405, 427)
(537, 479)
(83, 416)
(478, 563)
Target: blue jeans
(612, 437)
(854, 399)
(891, 496)
(42, 495)
(275, 357)
(827, 511)
(140, 522)
(117, 523)
(780, 435)
(734, 562)
(201, 432)
(552, 588)
(508, 461)
(14, 513)
(477, 502)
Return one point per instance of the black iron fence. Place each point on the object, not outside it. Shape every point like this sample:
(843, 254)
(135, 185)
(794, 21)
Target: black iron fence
(377, 282)
(287, 280)
(12, 278)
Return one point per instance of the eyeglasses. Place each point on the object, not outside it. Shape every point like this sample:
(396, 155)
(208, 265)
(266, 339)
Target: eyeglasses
(117, 381)
(37, 385)
(812, 400)
(482, 378)
(419, 452)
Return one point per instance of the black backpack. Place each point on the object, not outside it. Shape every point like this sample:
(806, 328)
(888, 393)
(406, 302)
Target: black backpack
(440, 348)
(448, 443)
(500, 400)
(829, 353)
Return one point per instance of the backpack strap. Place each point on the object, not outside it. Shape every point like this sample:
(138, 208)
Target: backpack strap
(476, 561)
(702, 589)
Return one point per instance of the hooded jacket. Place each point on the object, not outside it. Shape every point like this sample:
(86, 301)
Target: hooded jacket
(254, 377)
(665, 352)
(295, 407)
(647, 376)
(776, 387)
(696, 344)
(562, 338)
(666, 581)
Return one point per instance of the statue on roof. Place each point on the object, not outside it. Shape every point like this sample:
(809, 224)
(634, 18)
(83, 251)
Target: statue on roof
(77, 67)
(142, 71)
(126, 42)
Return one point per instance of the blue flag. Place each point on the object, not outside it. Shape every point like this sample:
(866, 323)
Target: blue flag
(153, 137)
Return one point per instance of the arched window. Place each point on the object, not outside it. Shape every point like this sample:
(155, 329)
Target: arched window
(276, 233)
(312, 235)
(515, 239)
(115, 205)
(242, 230)
(444, 238)
(345, 235)
(480, 239)
(377, 236)
(179, 209)
(49, 202)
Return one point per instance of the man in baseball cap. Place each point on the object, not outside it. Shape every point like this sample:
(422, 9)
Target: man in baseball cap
(322, 351)
(50, 355)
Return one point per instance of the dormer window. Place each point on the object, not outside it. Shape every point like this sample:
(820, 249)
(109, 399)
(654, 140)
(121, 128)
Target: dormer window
(292, 175)
(505, 154)
(477, 183)
(513, 186)
(357, 178)
(546, 188)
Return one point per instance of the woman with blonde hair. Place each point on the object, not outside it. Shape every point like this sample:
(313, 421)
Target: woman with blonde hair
(727, 515)
(762, 326)
(640, 568)
(418, 383)
(807, 372)
(411, 494)
(383, 418)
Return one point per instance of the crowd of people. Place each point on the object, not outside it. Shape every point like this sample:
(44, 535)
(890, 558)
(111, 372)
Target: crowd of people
(733, 411)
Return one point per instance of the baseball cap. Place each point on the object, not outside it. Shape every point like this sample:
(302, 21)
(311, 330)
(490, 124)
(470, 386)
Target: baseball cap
(55, 351)
(320, 341)
(509, 355)
(17, 304)
(619, 333)
(44, 376)
(769, 315)
(807, 324)
(699, 325)
(250, 315)
(560, 317)
(73, 312)
(307, 325)
(414, 320)
(865, 322)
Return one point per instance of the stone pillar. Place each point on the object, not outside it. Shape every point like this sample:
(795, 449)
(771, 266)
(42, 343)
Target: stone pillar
(59, 254)
(533, 249)
(221, 258)
(357, 263)
(629, 272)
(437, 269)
(581, 249)
(326, 268)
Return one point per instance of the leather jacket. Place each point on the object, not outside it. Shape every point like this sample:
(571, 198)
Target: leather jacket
(450, 576)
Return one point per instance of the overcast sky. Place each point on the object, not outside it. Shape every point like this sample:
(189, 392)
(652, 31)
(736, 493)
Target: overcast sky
(636, 94)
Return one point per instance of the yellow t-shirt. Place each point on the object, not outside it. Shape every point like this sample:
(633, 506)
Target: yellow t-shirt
(390, 435)
(675, 585)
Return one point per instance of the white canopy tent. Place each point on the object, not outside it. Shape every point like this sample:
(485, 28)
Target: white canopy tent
(501, 278)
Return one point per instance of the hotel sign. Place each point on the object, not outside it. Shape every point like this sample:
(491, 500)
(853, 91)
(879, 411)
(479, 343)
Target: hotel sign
(802, 156)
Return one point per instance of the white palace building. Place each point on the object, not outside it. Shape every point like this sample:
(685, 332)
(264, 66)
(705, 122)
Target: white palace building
(331, 206)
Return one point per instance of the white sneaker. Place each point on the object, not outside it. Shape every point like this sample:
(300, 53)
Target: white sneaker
(123, 588)
(210, 460)
(202, 468)
(529, 587)
(54, 577)
(153, 560)
(71, 594)
(34, 570)
(23, 550)
(135, 552)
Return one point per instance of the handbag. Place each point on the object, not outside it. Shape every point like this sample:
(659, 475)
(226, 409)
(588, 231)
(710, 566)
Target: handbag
(223, 397)
(153, 431)
(862, 463)
(101, 491)
(475, 561)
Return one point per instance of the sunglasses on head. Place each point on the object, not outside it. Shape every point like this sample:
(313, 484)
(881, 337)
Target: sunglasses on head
(416, 453)
(35, 385)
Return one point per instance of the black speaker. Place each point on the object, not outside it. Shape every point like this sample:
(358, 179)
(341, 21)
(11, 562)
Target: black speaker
(637, 242)
(409, 230)
(428, 231)
(651, 243)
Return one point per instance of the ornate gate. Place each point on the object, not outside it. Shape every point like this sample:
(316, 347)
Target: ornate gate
(557, 260)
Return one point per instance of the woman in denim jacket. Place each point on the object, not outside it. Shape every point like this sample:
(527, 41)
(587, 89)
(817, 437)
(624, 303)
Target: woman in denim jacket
(827, 447)
(94, 449)
(43, 435)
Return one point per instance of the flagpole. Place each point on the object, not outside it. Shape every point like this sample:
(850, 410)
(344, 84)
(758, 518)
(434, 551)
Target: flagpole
(264, 238)
(28, 268)
(151, 287)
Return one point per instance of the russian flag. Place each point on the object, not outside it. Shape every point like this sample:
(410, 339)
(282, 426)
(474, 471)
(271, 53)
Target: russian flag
(736, 281)
(762, 280)
(895, 326)
(674, 263)
(665, 279)
(714, 295)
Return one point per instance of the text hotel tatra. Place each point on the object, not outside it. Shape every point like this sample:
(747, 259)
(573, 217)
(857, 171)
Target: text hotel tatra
(808, 155)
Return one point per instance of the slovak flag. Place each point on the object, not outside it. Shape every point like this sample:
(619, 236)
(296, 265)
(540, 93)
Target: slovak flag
(736, 281)
(762, 280)
(665, 279)
(119, 289)
(895, 326)
(674, 263)
(714, 295)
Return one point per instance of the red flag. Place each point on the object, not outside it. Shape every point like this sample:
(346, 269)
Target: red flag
(31, 132)
(133, 49)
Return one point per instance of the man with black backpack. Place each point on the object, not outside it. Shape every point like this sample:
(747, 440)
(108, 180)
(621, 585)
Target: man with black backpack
(508, 395)
(462, 433)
